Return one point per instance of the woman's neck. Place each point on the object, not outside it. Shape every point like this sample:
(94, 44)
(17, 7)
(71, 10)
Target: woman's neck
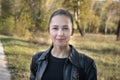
(60, 52)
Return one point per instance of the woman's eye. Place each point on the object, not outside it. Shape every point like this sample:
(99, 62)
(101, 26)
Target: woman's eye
(55, 28)
(65, 28)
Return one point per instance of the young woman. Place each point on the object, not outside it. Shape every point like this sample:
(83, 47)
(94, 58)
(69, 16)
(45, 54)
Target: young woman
(62, 61)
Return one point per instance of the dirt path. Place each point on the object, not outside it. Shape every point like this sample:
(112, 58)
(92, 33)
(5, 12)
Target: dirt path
(4, 72)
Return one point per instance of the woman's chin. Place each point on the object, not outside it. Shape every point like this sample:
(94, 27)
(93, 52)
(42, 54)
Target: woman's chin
(60, 44)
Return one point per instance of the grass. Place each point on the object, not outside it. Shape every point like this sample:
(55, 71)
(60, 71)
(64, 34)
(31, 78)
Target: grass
(103, 49)
(19, 53)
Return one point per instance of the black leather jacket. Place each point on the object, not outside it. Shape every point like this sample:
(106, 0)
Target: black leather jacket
(77, 66)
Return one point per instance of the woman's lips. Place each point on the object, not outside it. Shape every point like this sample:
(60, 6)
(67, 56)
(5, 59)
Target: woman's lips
(60, 40)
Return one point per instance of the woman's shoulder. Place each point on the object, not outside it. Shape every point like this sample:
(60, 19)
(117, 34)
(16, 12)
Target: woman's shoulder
(81, 56)
(85, 60)
(37, 55)
(85, 57)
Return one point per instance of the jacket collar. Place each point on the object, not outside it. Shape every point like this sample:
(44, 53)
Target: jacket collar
(45, 54)
(73, 56)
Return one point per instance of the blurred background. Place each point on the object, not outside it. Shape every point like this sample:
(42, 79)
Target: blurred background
(24, 24)
(26, 17)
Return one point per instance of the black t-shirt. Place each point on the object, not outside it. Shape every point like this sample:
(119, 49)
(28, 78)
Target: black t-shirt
(54, 70)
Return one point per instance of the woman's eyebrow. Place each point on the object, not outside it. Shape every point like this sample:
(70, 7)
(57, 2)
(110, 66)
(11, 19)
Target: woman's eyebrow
(55, 25)
(58, 25)
(65, 25)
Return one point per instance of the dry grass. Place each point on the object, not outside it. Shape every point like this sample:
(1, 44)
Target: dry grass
(103, 49)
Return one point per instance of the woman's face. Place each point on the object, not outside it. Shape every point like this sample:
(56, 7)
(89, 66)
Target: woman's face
(60, 30)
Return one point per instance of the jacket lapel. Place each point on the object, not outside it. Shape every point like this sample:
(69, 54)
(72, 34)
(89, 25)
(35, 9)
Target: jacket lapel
(42, 64)
(41, 68)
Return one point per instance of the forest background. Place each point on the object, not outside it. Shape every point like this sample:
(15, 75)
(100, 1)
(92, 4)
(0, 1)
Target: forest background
(26, 18)
(24, 24)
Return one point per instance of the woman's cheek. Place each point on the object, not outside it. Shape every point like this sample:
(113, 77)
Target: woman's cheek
(52, 36)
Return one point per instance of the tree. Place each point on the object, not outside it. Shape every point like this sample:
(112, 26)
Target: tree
(107, 12)
(74, 7)
(118, 31)
(92, 4)
(5, 8)
(76, 15)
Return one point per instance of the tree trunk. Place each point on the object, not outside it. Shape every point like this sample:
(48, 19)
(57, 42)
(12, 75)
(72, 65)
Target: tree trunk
(15, 15)
(106, 26)
(79, 29)
(76, 14)
(108, 19)
(91, 14)
(118, 31)
(0, 8)
(34, 15)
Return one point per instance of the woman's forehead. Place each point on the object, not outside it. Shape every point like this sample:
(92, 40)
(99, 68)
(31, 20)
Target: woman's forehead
(60, 19)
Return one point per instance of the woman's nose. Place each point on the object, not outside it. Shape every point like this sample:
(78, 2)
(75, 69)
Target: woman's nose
(60, 32)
